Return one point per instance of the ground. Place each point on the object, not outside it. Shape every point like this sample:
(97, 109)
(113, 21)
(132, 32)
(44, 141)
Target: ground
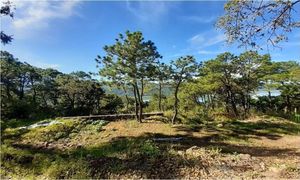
(260, 147)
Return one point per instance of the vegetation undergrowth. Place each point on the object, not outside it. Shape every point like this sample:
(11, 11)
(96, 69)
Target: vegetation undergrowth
(37, 152)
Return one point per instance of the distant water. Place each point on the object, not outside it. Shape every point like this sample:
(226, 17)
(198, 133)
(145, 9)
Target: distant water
(264, 92)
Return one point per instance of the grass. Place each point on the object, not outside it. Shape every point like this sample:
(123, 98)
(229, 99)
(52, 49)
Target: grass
(95, 149)
(22, 163)
(15, 123)
(31, 162)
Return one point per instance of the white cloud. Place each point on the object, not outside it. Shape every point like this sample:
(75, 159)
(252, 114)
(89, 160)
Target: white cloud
(209, 52)
(31, 15)
(199, 43)
(206, 39)
(148, 11)
(199, 19)
(45, 65)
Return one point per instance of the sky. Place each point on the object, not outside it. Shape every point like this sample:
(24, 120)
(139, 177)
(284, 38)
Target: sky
(68, 35)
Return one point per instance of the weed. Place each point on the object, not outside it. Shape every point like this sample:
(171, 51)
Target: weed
(149, 148)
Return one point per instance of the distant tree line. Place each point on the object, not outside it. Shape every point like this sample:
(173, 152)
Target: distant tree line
(226, 84)
(31, 92)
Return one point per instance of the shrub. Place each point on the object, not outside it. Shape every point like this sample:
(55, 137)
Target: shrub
(149, 148)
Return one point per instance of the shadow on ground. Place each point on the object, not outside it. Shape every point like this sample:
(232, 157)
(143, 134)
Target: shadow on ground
(144, 157)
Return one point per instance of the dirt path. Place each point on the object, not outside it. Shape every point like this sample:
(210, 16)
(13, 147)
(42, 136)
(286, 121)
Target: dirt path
(286, 141)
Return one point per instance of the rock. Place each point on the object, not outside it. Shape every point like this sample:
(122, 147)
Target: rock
(194, 151)
(191, 149)
(245, 156)
(46, 144)
(262, 166)
(181, 153)
(220, 125)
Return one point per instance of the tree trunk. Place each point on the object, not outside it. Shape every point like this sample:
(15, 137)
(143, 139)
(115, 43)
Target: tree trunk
(212, 102)
(8, 92)
(21, 93)
(34, 96)
(175, 103)
(159, 100)
(135, 103)
(21, 89)
(140, 95)
(232, 102)
(127, 100)
(288, 104)
(270, 99)
(244, 103)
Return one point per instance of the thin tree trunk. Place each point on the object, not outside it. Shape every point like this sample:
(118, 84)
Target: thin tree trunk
(248, 103)
(8, 92)
(175, 103)
(127, 100)
(21, 93)
(244, 103)
(141, 100)
(270, 99)
(135, 103)
(159, 100)
(288, 104)
(34, 96)
(232, 102)
(212, 102)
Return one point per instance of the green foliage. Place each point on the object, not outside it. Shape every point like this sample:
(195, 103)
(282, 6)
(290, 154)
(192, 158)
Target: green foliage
(6, 10)
(297, 118)
(183, 69)
(131, 61)
(28, 92)
(111, 104)
(226, 86)
(153, 105)
(72, 169)
(149, 148)
(25, 164)
(80, 95)
(53, 132)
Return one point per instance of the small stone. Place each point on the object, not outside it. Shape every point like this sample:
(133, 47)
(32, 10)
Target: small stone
(245, 156)
(262, 166)
(220, 125)
(181, 153)
(194, 151)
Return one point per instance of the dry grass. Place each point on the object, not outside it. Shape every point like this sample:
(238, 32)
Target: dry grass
(260, 147)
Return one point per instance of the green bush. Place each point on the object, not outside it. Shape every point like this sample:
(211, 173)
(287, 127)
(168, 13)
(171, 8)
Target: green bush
(149, 148)
(169, 114)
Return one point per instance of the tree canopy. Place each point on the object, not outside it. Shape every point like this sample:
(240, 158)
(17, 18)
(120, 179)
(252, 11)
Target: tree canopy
(256, 23)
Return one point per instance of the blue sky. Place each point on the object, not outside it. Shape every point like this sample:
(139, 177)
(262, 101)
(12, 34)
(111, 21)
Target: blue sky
(68, 35)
